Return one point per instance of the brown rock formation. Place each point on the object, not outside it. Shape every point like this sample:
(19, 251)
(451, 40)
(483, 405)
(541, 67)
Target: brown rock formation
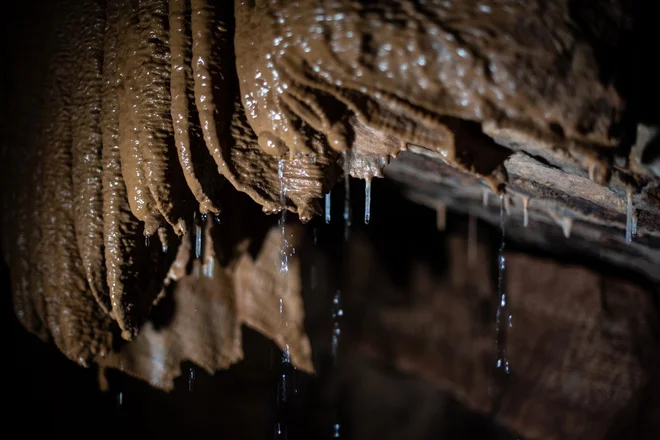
(132, 114)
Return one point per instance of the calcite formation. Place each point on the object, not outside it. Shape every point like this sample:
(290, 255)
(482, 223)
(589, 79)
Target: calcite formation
(136, 119)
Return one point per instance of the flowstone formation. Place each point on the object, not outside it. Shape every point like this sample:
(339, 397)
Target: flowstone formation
(137, 121)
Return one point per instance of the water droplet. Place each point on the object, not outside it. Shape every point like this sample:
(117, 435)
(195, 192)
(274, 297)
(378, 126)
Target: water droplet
(484, 197)
(284, 257)
(327, 208)
(191, 379)
(367, 202)
(347, 195)
(501, 328)
(525, 201)
(337, 313)
(629, 216)
(120, 399)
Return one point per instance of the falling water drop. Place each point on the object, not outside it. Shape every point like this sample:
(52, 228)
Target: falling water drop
(347, 196)
(629, 216)
(503, 303)
(525, 200)
(284, 257)
(120, 399)
(191, 379)
(484, 197)
(337, 313)
(147, 240)
(327, 208)
(367, 201)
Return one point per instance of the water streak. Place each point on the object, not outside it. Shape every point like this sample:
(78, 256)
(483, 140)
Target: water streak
(484, 197)
(284, 257)
(503, 318)
(281, 427)
(337, 314)
(120, 399)
(191, 379)
(347, 196)
(367, 201)
(629, 216)
(327, 208)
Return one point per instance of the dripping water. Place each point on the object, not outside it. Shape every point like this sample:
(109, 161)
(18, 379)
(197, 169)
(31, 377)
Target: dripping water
(147, 240)
(347, 196)
(502, 317)
(337, 314)
(327, 208)
(629, 216)
(120, 399)
(191, 379)
(336, 309)
(484, 197)
(281, 427)
(367, 201)
(284, 257)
